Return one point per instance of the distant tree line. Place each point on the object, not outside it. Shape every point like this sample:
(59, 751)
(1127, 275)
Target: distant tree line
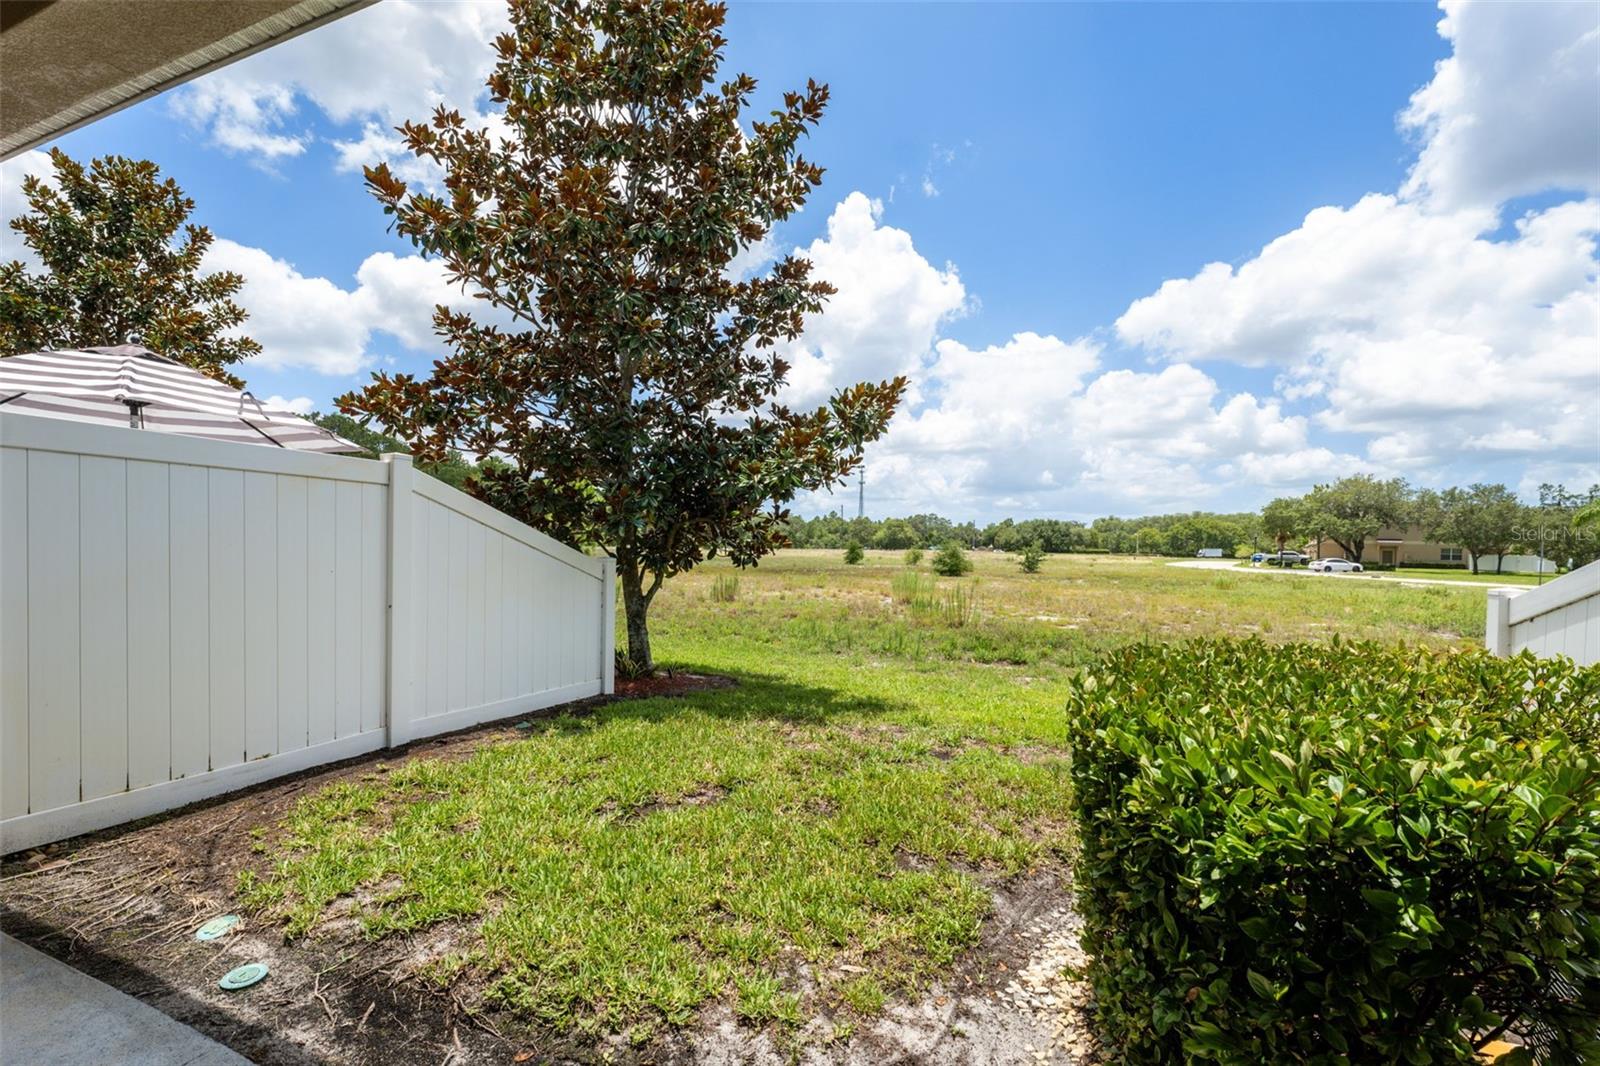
(1487, 521)
(1169, 534)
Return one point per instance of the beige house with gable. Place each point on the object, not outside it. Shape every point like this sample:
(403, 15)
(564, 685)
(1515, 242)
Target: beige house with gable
(1411, 547)
(1396, 547)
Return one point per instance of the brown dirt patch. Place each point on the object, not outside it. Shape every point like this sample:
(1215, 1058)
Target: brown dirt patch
(670, 684)
(703, 796)
(1004, 1005)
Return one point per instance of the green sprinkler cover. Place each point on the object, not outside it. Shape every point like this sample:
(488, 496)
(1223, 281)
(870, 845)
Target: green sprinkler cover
(243, 977)
(216, 927)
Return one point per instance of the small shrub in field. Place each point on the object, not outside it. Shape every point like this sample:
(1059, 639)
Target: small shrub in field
(951, 560)
(853, 553)
(1032, 558)
(913, 556)
(955, 606)
(906, 588)
(725, 588)
(959, 605)
(1338, 853)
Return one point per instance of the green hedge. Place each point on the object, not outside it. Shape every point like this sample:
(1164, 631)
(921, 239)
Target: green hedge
(1337, 852)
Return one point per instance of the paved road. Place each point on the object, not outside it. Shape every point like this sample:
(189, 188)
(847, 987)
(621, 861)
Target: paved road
(52, 1015)
(1281, 571)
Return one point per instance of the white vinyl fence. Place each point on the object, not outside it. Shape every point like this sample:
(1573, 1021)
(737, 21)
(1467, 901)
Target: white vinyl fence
(1561, 618)
(182, 617)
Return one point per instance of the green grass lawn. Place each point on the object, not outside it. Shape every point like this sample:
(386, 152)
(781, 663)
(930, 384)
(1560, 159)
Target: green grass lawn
(808, 842)
(1486, 578)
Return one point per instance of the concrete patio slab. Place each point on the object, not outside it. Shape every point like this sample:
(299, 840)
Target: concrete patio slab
(52, 1015)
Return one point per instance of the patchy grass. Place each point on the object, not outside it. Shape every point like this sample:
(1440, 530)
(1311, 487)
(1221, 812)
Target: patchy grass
(863, 995)
(641, 861)
(1488, 577)
(815, 840)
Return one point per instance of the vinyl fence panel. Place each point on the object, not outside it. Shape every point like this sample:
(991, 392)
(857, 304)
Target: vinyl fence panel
(182, 617)
(14, 783)
(1560, 618)
(149, 624)
(103, 617)
(506, 620)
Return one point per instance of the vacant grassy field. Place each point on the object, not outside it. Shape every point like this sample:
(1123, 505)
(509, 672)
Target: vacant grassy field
(1488, 577)
(822, 836)
(1076, 606)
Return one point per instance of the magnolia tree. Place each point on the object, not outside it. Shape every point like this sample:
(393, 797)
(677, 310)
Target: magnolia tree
(121, 259)
(635, 399)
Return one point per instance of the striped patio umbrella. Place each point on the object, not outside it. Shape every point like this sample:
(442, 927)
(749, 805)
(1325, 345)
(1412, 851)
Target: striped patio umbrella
(134, 387)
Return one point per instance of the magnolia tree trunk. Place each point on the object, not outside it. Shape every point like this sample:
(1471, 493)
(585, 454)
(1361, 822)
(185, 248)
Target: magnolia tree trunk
(636, 608)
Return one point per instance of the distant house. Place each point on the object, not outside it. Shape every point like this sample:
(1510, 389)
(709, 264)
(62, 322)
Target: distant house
(1411, 547)
(1396, 547)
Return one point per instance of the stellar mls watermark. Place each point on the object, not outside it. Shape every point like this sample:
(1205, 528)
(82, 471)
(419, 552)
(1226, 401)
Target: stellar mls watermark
(1554, 532)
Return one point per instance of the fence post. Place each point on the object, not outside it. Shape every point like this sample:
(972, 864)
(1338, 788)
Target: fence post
(608, 624)
(1497, 627)
(401, 709)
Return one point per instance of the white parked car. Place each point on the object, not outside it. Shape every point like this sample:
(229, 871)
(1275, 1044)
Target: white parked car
(1335, 566)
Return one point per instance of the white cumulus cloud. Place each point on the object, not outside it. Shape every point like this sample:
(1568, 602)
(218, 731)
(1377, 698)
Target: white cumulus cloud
(12, 204)
(1172, 436)
(1515, 109)
(1399, 318)
(300, 405)
(372, 70)
(887, 312)
(242, 116)
(300, 321)
(314, 323)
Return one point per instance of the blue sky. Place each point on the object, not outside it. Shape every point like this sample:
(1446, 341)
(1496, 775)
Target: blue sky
(1093, 149)
(1022, 208)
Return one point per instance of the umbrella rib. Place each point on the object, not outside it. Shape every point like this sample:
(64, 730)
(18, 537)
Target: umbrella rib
(258, 429)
